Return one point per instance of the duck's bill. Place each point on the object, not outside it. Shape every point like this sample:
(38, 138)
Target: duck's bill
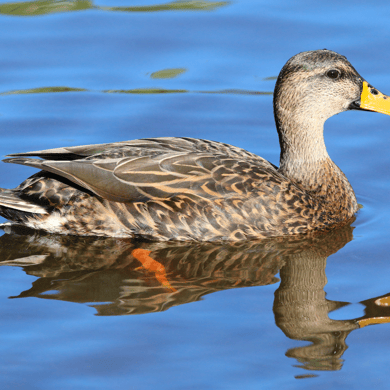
(373, 100)
(373, 321)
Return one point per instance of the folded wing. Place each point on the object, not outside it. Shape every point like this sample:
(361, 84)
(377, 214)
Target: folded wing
(155, 168)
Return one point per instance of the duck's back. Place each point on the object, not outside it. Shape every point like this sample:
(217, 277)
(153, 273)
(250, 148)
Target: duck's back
(166, 188)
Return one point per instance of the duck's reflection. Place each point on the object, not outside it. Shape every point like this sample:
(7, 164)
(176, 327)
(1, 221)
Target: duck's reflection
(302, 312)
(120, 277)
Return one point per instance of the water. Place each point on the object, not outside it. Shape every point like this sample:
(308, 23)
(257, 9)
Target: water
(87, 314)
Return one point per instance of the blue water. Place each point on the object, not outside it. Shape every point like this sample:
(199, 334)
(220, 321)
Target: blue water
(76, 327)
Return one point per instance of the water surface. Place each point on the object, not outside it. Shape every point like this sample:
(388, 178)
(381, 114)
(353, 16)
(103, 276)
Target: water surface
(275, 314)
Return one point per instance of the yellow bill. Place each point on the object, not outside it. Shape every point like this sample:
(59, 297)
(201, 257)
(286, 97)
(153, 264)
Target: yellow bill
(373, 321)
(373, 100)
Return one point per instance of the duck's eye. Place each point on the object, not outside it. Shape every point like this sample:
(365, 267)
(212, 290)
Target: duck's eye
(333, 74)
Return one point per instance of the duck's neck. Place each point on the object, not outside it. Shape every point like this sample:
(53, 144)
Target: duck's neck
(305, 160)
(303, 149)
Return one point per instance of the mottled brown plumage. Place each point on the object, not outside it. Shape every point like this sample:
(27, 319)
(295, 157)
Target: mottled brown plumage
(191, 189)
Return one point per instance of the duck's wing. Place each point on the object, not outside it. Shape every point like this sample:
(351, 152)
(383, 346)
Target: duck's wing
(134, 148)
(138, 148)
(147, 169)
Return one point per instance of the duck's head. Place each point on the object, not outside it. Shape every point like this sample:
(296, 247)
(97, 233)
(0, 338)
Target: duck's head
(316, 85)
(312, 87)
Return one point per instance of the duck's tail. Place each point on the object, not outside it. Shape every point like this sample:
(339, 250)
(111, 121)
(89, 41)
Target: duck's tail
(11, 205)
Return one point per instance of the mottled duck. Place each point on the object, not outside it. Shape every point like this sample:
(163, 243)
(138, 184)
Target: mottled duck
(192, 189)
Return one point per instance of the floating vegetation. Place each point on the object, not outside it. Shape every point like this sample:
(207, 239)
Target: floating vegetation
(132, 91)
(239, 92)
(163, 90)
(147, 90)
(172, 6)
(43, 90)
(42, 7)
(168, 73)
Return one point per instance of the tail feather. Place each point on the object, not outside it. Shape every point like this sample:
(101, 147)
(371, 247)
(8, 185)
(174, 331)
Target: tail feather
(9, 199)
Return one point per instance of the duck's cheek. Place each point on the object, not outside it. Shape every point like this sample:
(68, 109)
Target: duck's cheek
(373, 100)
(335, 108)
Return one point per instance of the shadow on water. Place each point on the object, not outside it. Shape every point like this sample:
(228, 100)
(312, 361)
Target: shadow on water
(119, 277)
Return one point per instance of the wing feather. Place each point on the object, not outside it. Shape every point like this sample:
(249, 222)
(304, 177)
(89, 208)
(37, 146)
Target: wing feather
(155, 168)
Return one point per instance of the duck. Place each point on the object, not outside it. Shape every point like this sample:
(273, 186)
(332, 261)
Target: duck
(188, 189)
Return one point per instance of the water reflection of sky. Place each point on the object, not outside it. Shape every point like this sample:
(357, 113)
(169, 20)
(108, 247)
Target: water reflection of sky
(59, 72)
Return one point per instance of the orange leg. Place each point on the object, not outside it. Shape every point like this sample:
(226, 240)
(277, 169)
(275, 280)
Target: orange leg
(142, 255)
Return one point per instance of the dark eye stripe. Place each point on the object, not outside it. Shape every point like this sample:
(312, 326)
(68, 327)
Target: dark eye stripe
(333, 74)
